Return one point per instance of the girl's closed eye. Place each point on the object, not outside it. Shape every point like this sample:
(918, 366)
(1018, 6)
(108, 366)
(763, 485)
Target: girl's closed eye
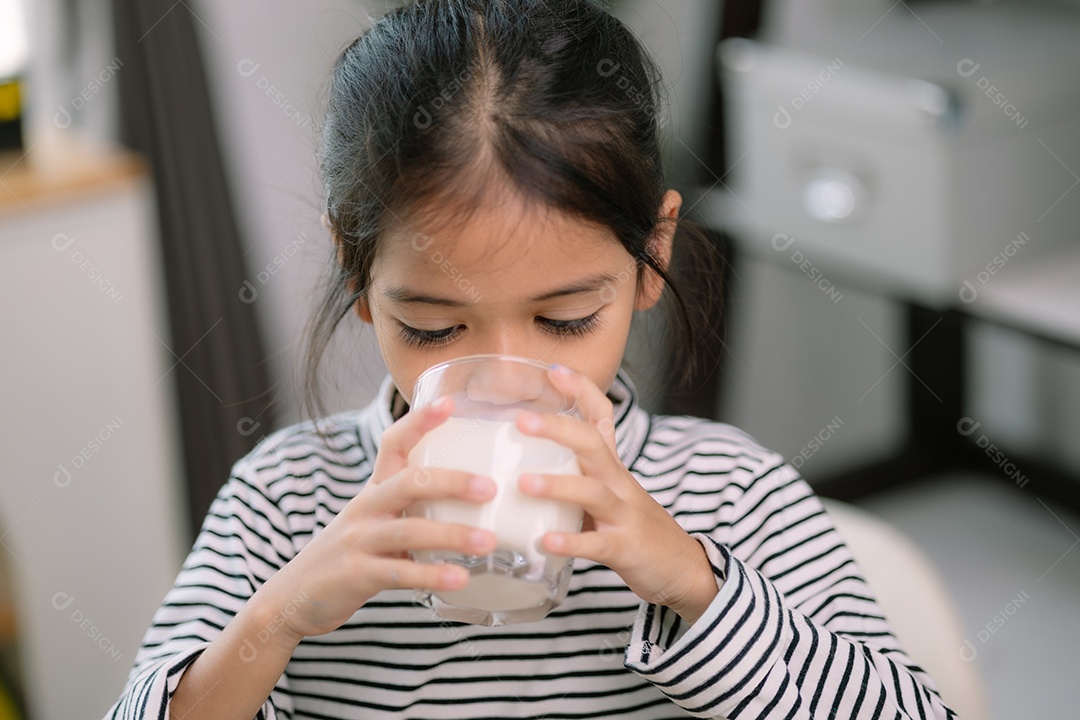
(428, 338)
(432, 338)
(577, 326)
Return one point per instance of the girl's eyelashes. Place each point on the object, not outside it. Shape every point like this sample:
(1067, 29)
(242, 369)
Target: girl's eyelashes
(427, 338)
(432, 338)
(580, 326)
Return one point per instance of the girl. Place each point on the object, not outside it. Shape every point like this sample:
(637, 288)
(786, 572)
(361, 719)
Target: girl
(494, 185)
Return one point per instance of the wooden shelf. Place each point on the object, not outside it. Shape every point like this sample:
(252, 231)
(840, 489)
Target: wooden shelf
(59, 167)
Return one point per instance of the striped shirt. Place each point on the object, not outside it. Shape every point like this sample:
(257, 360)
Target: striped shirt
(794, 632)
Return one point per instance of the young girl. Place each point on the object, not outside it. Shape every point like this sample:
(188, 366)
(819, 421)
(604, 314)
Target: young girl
(494, 185)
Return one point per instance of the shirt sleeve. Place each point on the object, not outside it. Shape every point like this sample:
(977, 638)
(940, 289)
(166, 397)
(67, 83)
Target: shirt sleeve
(243, 541)
(794, 632)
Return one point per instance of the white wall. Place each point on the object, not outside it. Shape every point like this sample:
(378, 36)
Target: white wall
(89, 500)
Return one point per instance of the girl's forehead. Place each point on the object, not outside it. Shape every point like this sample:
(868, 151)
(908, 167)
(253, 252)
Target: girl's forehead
(492, 238)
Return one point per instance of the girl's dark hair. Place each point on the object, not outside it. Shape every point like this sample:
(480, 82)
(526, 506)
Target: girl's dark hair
(438, 97)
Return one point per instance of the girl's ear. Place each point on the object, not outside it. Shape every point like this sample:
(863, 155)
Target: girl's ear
(363, 310)
(652, 285)
(334, 237)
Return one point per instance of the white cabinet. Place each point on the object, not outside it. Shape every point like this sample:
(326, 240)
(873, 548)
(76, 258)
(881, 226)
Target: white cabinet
(90, 507)
(916, 157)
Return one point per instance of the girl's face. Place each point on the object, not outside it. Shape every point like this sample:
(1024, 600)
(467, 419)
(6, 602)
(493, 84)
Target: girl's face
(509, 279)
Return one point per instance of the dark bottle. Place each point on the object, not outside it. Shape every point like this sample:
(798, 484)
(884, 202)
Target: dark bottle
(11, 125)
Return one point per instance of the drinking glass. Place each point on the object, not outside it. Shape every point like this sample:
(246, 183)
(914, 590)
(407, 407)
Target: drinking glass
(518, 582)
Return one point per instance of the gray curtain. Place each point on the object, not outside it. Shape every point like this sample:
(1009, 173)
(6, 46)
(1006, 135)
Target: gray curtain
(221, 376)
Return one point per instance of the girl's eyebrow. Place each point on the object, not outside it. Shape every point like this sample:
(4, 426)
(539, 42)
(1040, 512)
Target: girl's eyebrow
(406, 296)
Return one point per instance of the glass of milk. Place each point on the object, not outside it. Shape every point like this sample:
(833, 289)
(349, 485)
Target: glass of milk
(518, 582)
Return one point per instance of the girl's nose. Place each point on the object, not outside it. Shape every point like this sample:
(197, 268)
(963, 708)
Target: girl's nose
(509, 382)
(505, 383)
(511, 342)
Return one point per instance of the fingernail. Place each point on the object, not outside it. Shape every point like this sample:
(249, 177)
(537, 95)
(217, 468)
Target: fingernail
(532, 483)
(560, 369)
(455, 576)
(556, 542)
(530, 421)
(441, 404)
(479, 539)
(479, 486)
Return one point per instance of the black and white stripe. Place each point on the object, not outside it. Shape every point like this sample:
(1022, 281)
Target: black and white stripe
(793, 633)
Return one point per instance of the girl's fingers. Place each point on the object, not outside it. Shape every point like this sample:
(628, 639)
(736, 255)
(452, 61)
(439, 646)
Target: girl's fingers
(403, 435)
(595, 406)
(403, 488)
(590, 447)
(595, 497)
(402, 574)
(413, 533)
(595, 546)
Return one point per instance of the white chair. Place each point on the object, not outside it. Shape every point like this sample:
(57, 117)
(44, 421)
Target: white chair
(916, 604)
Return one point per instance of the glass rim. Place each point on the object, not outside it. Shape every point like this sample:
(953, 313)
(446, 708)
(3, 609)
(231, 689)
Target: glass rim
(481, 357)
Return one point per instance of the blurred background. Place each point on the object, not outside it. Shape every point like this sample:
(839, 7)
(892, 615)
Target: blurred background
(894, 185)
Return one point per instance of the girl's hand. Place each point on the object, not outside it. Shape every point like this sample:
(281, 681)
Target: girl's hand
(364, 550)
(625, 528)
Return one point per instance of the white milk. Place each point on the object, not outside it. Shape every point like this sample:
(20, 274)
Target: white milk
(498, 593)
(496, 449)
